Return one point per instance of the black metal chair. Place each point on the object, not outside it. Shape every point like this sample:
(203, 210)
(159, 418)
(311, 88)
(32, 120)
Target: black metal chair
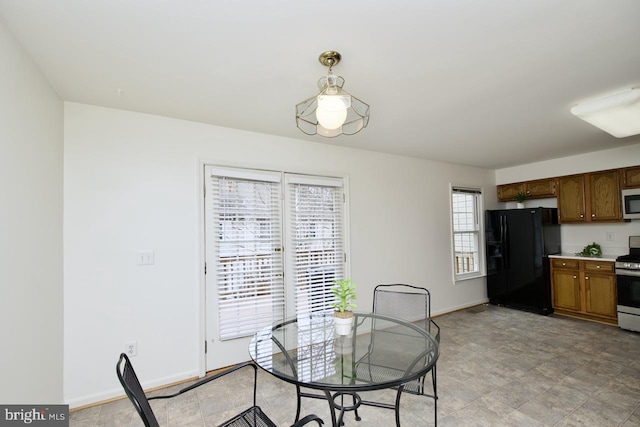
(251, 417)
(411, 304)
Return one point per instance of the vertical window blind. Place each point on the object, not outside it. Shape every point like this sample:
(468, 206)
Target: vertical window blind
(315, 241)
(248, 254)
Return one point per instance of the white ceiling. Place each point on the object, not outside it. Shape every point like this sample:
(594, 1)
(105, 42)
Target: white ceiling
(486, 83)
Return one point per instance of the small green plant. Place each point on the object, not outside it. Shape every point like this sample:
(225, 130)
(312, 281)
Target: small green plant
(345, 293)
(592, 250)
(521, 197)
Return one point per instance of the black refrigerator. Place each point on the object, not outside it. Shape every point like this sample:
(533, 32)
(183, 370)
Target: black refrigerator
(518, 243)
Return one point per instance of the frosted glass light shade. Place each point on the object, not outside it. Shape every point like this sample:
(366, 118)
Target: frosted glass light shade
(332, 110)
(618, 114)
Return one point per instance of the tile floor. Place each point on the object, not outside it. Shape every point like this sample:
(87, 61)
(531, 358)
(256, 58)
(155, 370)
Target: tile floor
(498, 367)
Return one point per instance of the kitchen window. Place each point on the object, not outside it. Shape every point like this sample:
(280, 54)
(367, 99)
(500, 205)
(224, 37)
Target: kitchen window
(466, 220)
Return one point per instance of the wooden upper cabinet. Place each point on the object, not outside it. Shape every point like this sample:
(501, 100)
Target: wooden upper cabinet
(587, 197)
(592, 197)
(571, 198)
(507, 192)
(604, 194)
(630, 177)
(537, 189)
(540, 188)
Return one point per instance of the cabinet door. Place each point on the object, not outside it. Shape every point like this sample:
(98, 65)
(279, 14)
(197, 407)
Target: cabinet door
(566, 290)
(604, 192)
(600, 294)
(631, 177)
(571, 198)
(540, 188)
(507, 192)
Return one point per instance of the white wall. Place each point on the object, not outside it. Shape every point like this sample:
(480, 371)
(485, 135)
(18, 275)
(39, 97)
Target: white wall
(612, 158)
(577, 236)
(132, 183)
(31, 143)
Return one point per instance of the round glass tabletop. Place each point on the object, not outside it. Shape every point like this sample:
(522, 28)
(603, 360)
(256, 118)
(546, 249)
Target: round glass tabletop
(378, 352)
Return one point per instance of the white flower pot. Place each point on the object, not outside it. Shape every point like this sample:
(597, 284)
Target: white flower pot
(520, 205)
(343, 326)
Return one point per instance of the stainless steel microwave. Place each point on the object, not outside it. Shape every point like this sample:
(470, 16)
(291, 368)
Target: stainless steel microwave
(631, 203)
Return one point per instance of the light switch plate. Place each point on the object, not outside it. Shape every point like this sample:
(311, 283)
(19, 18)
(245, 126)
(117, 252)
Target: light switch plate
(146, 258)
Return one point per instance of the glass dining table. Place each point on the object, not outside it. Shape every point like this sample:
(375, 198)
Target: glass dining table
(380, 352)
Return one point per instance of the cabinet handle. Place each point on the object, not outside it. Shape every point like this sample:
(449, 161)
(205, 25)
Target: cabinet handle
(586, 277)
(597, 266)
(575, 277)
(593, 215)
(581, 216)
(564, 263)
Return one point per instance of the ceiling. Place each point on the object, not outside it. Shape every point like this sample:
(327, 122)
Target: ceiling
(485, 83)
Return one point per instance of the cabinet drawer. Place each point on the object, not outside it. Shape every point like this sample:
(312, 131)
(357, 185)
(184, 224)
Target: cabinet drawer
(564, 263)
(602, 266)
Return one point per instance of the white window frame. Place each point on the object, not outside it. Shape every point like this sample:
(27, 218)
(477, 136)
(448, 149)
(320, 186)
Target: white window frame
(478, 230)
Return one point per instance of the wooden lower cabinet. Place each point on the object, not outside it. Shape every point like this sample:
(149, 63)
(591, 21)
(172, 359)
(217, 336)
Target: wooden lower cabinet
(585, 289)
(566, 290)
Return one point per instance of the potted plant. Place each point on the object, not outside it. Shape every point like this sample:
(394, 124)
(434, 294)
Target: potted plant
(592, 250)
(345, 292)
(520, 198)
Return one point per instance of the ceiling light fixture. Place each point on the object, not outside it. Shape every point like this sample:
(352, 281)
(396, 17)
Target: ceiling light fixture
(333, 111)
(617, 114)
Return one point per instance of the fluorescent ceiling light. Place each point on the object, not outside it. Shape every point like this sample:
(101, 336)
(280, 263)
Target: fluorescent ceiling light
(617, 114)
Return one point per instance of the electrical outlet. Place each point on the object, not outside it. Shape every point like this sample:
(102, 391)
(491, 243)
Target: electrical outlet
(610, 236)
(131, 348)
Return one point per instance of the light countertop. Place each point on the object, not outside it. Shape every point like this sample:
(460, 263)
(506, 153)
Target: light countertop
(604, 257)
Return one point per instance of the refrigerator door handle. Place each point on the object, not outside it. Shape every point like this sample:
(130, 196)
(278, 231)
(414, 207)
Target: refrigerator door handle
(505, 242)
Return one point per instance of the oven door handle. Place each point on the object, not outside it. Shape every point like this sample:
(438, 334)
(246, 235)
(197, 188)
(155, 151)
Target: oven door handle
(634, 273)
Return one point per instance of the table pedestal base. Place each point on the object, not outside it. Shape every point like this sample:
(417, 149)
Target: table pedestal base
(357, 402)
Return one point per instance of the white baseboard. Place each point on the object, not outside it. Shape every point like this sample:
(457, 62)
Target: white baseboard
(459, 307)
(98, 398)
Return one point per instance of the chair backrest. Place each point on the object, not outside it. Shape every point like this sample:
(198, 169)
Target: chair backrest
(406, 302)
(132, 387)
